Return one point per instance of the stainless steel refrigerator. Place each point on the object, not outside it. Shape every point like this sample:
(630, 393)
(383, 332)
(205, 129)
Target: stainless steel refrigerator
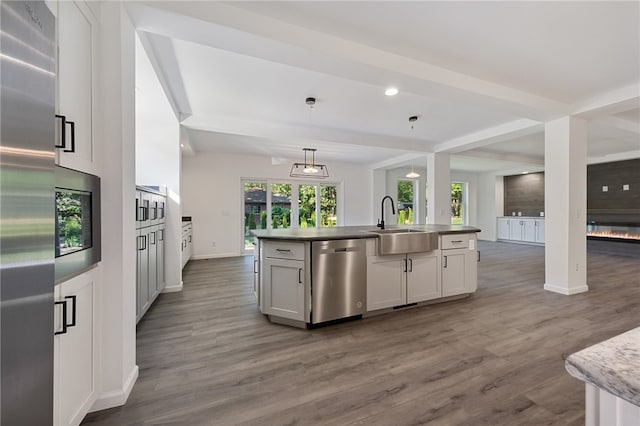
(27, 95)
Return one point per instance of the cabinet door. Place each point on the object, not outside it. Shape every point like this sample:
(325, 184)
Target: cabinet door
(284, 288)
(386, 281)
(142, 281)
(75, 351)
(423, 277)
(504, 231)
(515, 229)
(160, 259)
(539, 231)
(529, 230)
(454, 272)
(153, 263)
(76, 26)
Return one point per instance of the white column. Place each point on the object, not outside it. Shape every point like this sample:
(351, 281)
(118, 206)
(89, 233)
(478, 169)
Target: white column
(439, 189)
(116, 136)
(565, 193)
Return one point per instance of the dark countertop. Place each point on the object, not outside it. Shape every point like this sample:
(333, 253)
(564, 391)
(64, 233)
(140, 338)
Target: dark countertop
(346, 232)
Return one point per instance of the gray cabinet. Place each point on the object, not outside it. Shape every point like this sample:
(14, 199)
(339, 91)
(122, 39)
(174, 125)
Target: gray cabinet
(150, 259)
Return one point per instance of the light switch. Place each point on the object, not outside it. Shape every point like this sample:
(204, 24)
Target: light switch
(625, 187)
(605, 189)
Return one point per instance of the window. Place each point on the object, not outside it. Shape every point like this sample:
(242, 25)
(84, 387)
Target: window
(255, 209)
(272, 205)
(458, 203)
(328, 204)
(405, 201)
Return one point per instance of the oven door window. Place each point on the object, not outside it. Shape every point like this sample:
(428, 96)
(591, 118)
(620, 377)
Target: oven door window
(73, 221)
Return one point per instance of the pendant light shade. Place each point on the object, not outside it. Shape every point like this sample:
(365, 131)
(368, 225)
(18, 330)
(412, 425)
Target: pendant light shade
(309, 169)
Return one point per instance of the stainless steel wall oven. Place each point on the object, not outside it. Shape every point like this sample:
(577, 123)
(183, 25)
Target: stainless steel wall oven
(78, 240)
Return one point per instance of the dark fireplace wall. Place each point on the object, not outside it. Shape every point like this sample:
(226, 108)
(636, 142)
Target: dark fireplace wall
(613, 176)
(525, 193)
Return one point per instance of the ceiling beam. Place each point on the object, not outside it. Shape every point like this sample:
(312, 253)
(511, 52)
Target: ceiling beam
(609, 103)
(501, 133)
(233, 29)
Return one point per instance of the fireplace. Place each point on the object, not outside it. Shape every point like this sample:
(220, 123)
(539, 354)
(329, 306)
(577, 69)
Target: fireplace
(620, 233)
(614, 232)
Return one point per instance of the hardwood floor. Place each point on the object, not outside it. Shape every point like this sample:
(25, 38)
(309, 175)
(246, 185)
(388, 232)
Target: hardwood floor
(208, 357)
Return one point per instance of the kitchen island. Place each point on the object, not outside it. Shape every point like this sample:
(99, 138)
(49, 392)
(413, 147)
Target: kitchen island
(306, 277)
(611, 372)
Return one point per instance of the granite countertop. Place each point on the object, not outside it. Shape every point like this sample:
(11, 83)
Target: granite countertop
(344, 232)
(612, 365)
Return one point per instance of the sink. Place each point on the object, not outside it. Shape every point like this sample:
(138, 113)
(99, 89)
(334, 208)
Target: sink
(405, 240)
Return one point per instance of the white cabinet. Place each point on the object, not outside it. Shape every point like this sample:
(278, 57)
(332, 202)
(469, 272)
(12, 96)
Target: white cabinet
(504, 228)
(187, 242)
(396, 280)
(529, 230)
(539, 232)
(283, 275)
(423, 276)
(386, 281)
(256, 270)
(75, 348)
(459, 264)
(76, 28)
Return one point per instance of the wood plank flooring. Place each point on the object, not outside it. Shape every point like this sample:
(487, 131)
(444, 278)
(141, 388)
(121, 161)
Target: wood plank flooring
(208, 357)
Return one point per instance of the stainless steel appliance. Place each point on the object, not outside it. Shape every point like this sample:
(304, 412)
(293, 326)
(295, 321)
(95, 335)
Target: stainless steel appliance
(338, 279)
(27, 94)
(78, 240)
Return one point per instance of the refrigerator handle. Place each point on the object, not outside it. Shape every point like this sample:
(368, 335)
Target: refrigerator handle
(63, 131)
(64, 317)
(73, 138)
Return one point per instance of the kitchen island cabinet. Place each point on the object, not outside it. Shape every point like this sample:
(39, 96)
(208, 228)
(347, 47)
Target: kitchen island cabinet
(285, 287)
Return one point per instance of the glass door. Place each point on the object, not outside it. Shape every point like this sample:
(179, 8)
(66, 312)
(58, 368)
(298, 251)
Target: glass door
(255, 210)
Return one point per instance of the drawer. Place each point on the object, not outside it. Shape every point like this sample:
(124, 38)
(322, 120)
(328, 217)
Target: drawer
(456, 241)
(284, 250)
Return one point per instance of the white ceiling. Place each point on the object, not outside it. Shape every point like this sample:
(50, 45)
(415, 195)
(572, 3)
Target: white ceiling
(482, 77)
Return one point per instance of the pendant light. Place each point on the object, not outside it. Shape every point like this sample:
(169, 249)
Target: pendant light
(309, 169)
(412, 174)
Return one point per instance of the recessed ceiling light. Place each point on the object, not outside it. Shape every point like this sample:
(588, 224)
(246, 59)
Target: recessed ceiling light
(524, 173)
(391, 91)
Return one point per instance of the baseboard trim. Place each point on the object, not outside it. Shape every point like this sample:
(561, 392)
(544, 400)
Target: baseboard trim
(118, 397)
(214, 256)
(172, 288)
(566, 291)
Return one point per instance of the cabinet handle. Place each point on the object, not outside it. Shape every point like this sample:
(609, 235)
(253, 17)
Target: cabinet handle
(410, 265)
(404, 265)
(445, 261)
(299, 275)
(189, 238)
(144, 238)
(161, 233)
(478, 255)
(255, 264)
(64, 316)
(73, 138)
(456, 241)
(152, 238)
(284, 250)
(73, 311)
(63, 130)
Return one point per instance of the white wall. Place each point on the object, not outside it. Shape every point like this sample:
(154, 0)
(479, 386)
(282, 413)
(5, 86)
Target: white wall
(158, 157)
(212, 196)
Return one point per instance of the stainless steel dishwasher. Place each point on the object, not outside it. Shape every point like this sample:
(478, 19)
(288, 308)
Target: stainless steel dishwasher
(338, 279)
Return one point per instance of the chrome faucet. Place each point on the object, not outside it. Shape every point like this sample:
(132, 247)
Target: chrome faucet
(393, 210)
